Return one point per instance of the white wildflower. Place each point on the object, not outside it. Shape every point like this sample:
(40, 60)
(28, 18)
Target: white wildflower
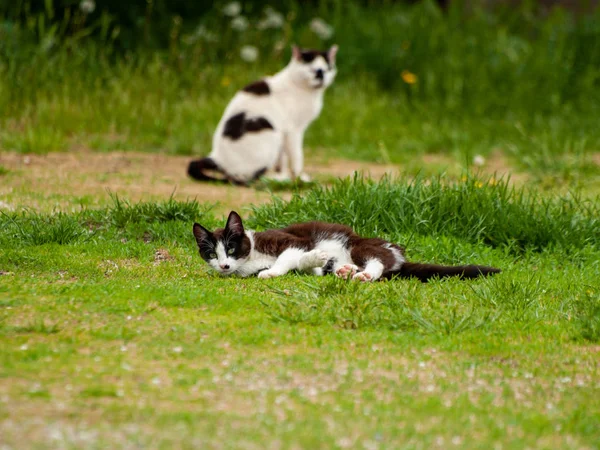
(87, 6)
(177, 349)
(239, 23)
(203, 33)
(273, 19)
(321, 28)
(249, 53)
(232, 9)
(478, 160)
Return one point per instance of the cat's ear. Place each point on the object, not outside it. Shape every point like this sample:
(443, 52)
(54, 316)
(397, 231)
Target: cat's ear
(201, 234)
(234, 224)
(332, 52)
(296, 53)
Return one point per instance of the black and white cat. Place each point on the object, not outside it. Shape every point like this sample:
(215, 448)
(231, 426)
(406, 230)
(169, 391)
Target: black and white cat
(318, 247)
(263, 126)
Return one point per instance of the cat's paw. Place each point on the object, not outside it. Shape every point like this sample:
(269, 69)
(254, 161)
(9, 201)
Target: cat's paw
(305, 177)
(269, 273)
(363, 276)
(314, 258)
(279, 176)
(346, 271)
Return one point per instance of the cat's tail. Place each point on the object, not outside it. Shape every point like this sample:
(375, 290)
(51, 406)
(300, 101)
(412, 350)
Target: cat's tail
(197, 170)
(425, 272)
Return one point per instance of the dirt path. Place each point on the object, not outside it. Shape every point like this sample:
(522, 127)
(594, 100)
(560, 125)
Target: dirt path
(66, 181)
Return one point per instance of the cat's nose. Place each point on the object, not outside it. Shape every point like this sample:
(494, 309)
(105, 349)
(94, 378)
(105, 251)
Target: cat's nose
(319, 74)
(224, 266)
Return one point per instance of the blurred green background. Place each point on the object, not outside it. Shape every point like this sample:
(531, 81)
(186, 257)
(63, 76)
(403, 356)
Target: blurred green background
(519, 78)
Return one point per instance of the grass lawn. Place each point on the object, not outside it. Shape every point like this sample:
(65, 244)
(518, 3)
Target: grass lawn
(114, 333)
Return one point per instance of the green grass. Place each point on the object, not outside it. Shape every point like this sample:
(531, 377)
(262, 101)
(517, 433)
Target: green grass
(477, 210)
(114, 333)
(122, 336)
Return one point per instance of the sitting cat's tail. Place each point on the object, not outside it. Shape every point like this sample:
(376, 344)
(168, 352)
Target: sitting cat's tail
(425, 272)
(197, 170)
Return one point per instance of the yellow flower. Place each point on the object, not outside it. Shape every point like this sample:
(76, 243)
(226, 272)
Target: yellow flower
(409, 77)
(478, 184)
(464, 178)
(226, 81)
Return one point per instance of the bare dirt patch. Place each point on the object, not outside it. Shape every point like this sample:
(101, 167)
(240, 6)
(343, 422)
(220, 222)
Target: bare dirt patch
(67, 181)
(63, 180)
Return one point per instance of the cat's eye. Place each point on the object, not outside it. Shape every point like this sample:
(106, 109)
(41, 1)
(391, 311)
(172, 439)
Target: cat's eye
(231, 251)
(213, 255)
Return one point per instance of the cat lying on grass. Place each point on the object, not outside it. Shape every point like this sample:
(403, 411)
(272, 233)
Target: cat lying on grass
(317, 247)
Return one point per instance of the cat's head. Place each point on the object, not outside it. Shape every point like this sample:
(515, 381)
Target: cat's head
(313, 68)
(225, 249)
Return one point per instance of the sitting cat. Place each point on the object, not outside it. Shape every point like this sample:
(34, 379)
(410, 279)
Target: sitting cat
(263, 126)
(314, 246)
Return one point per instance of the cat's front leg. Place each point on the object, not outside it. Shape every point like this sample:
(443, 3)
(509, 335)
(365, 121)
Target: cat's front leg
(293, 143)
(288, 260)
(282, 168)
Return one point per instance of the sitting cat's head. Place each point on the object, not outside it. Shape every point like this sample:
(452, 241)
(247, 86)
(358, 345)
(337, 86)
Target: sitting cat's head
(314, 68)
(225, 249)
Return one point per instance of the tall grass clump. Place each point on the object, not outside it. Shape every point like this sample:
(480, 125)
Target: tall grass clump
(30, 228)
(166, 220)
(489, 211)
(122, 212)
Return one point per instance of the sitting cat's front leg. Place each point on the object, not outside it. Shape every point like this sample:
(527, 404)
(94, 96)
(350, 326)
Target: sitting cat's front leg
(282, 168)
(293, 146)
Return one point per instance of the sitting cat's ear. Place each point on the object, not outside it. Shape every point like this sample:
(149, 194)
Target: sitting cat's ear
(296, 53)
(201, 234)
(234, 223)
(331, 53)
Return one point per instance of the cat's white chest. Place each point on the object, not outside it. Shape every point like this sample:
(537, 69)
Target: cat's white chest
(300, 108)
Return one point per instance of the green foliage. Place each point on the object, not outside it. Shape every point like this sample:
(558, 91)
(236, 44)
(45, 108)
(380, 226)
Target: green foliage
(587, 314)
(117, 302)
(38, 229)
(124, 219)
(486, 210)
(127, 329)
(122, 212)
(462, 83)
